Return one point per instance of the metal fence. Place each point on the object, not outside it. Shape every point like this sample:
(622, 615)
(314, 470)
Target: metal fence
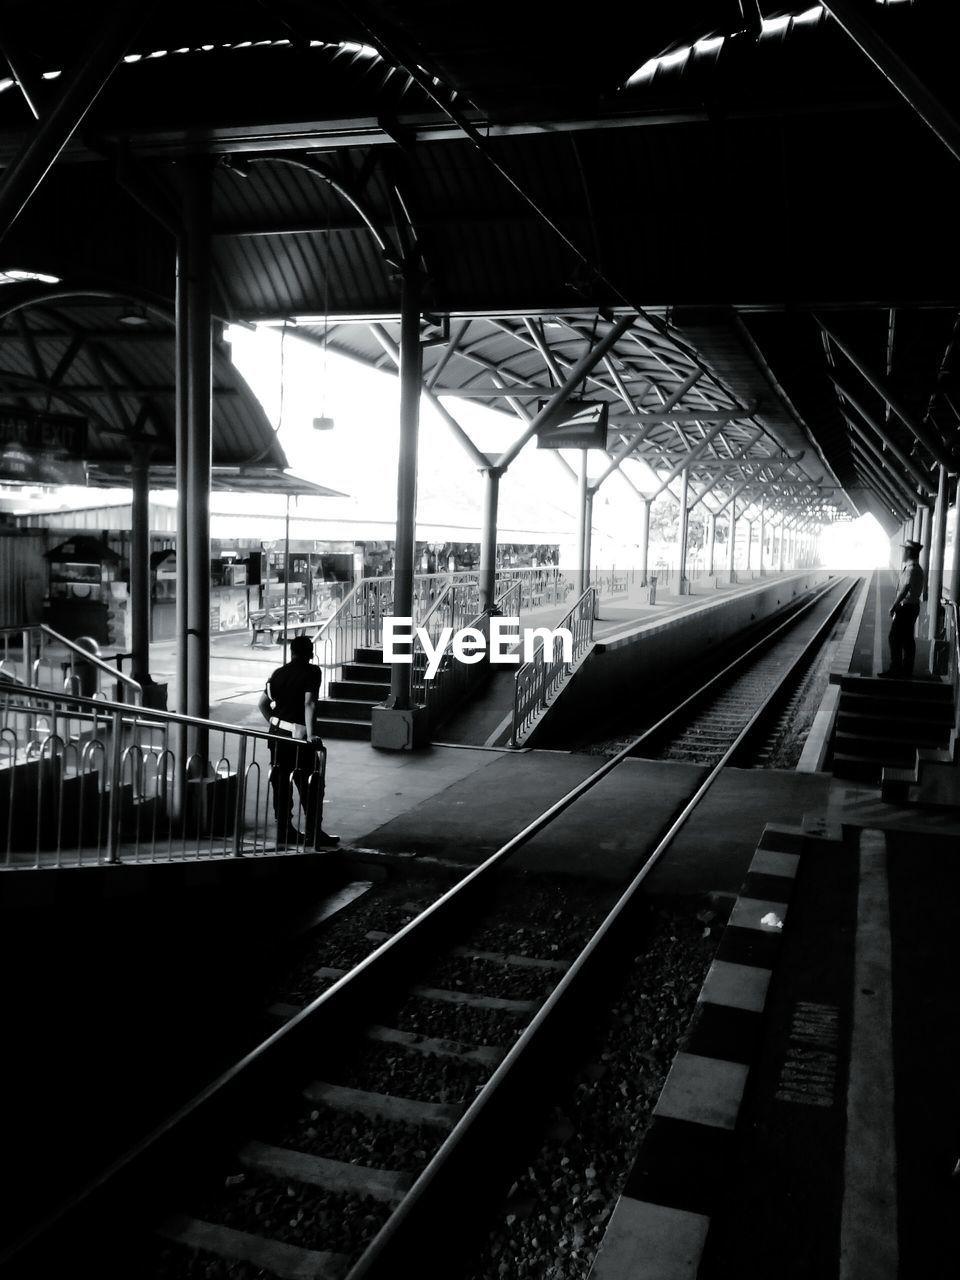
(85, 781)
(538, 681)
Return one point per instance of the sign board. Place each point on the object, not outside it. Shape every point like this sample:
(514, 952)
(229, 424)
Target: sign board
(41, 448)
(578, 424)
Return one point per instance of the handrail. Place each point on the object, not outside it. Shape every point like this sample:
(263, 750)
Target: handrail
(532, 687)
(93, 660)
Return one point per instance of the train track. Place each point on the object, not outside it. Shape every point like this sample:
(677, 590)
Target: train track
(258, 1126)
(759, 682)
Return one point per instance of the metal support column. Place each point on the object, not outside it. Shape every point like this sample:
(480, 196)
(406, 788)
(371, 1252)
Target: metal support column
(645, 541)
(925, 539)
(732, 547)
(488, 538)
(582, 518)
(140, 567)
(760, 549)
(781, 544)
(937, 547)
(749, 543)
(397, 725)
(199, 444)
(684, 585)
(711, 541)
(954, 591)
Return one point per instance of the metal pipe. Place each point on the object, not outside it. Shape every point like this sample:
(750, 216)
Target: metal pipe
(488, 539)
(80, 90)
(889, 63)
(411, 376)
(181, 364)
(955, 570)
(762, 532)
(780, 546)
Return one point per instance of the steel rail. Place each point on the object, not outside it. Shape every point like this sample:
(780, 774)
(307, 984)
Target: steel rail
(434, 1194)
(347, 1003)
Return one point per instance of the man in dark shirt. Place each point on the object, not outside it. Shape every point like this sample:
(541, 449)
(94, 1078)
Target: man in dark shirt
(904, 612)
(288, 704)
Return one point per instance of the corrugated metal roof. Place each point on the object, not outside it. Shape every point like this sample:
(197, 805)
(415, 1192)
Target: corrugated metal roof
(75, 355)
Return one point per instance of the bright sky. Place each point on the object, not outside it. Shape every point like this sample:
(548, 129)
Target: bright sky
(359, 456)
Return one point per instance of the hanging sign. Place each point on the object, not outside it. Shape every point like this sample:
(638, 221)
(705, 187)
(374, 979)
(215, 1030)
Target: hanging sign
(577, 424)
(41, 448)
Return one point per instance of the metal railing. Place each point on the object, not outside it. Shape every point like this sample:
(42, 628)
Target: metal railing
(358, 620)
(26, 653)
(538, 681)
(85, 781)
(454, 680)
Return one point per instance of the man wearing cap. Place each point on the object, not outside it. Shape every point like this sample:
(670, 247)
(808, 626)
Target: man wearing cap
(904, 612)
(288, 704)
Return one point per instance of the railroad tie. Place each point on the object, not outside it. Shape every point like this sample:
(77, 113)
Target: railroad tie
(319, 1171)
(382, 1106)
(494, 957)
(285, 1261)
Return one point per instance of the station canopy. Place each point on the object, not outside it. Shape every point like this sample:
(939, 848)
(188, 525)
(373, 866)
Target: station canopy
(739, 177)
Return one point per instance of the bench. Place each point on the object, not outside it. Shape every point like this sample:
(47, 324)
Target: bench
(273, 628)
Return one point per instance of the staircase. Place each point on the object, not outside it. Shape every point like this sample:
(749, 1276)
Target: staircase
(881, 724)
(347, 712)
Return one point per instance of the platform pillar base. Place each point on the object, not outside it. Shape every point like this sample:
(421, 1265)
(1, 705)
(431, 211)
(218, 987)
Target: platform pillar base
(393, 729)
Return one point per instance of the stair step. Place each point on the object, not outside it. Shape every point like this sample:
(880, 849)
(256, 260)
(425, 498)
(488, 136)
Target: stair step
(370, 654)
(344, 709)
(891, 749)
(857, 722)
(359, 730)
(856, 768)
(357, 690)
(895, 709)
(367, 672)
(916, 689)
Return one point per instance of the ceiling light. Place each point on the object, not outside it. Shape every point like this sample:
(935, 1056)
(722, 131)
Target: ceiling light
(133, 315)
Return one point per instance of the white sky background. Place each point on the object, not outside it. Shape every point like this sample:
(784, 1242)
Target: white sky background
(359, 456)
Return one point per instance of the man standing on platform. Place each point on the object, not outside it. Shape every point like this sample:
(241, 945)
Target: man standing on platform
(904, 612)
(288, 704)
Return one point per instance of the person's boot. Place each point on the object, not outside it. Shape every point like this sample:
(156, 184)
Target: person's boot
(325, 841)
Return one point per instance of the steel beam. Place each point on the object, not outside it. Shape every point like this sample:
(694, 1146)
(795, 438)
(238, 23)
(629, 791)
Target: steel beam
(563, 393)
(888, 62)
(630, 446)
(922, 480)
(938, 545)
(878, 481)
(894, 478)
(916, 428)
(692, 455)
(80, 90)
(686, 419)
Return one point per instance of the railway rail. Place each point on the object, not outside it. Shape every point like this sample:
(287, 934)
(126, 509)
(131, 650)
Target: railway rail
(247, 1125)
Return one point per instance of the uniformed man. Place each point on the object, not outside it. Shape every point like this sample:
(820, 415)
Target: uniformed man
(288, 704)
(904, 612)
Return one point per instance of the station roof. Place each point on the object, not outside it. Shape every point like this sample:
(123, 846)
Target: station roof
(731, 172)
